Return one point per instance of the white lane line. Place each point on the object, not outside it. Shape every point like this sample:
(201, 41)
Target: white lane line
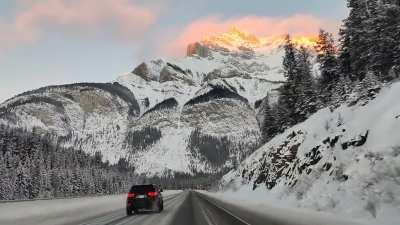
(226, 211)
(207, 216)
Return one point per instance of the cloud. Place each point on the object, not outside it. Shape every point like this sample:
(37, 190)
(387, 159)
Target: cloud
(122, 18)
(260, 26)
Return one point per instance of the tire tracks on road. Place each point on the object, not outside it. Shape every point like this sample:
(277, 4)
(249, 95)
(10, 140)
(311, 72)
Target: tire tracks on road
(118, 217)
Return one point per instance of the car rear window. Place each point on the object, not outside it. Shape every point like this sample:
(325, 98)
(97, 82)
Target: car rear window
(142, 188)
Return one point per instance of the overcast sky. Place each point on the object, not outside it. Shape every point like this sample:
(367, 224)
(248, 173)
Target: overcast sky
(45, 42)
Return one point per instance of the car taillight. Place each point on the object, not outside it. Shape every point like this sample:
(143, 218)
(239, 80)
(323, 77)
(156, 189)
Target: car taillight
(131, 195)
(152, 194)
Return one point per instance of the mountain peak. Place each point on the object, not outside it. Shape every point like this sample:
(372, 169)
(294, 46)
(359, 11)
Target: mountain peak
(236, 39)
(233, 39)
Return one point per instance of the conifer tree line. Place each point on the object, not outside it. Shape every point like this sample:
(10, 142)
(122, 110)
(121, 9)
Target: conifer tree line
(139, 140)
(366, 55)
(33, 165)
(216, 150)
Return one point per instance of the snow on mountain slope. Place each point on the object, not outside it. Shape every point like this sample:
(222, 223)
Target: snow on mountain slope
(185, 131)
(252, 73)
(150, 93)
(89, 116)
(168, 152)
(224, 115)
(252, 78)
(345, 161)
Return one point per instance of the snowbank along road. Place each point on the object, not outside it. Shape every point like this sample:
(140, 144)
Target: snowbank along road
(188, 207)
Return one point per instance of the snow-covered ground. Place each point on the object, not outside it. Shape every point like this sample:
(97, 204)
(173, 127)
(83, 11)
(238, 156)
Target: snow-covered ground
(62, 211)
(345, 161)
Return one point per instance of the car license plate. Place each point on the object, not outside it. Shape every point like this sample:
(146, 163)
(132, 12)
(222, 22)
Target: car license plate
(141, 196)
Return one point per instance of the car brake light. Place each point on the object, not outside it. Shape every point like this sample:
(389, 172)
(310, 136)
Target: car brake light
(152, 194)
(131, 195)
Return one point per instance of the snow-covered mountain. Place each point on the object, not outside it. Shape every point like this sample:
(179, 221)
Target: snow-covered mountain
(189, 115)
(92, 117)
(345, 161)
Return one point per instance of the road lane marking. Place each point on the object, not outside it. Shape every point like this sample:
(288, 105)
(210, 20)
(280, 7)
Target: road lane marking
(225, 210)
(208, 216)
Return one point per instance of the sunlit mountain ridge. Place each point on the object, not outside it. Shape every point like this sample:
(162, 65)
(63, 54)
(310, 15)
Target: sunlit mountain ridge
(236, 38)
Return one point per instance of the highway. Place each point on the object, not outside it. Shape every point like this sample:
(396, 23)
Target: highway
(180, 208)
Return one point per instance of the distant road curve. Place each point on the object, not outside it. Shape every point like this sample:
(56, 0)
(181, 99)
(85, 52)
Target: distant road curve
(184, 208)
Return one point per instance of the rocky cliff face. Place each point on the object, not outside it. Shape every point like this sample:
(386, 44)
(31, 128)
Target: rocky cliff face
(197, 49)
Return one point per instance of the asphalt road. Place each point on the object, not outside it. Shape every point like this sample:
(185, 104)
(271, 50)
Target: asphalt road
(187, 208)
(180, 208)
(172, 204)
(193, 208)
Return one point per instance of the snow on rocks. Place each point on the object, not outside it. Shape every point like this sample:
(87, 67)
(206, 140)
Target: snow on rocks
(345, 161)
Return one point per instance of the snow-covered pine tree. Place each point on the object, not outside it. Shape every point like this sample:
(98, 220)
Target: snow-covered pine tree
(289, 60)
(288, 96)
(355, 31)
(22, 182)
(32, 166)
(326, 57)
(305, 85)
(6, 187)
(384, 30)
(269, 126)
(341, 91)
(366, 89)
(344, 56)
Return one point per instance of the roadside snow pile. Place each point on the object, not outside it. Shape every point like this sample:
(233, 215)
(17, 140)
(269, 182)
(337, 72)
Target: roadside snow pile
(344, 161)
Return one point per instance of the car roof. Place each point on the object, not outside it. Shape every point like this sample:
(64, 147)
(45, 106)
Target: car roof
(144, 187)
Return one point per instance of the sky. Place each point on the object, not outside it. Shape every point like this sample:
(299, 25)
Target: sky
(47, 42)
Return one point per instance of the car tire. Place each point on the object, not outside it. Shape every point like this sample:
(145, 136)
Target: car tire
(159, 208)
(129, 212)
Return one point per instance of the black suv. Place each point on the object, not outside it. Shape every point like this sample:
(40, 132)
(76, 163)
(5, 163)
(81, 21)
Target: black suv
(144, 197)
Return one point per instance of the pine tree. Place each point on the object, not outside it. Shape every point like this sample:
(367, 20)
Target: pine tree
(384, 30)
(355, 41)
(366, 89)
(344, 57)
(305, 88)
(269, 126)
(342, 91)
(22, 182)
(288, 96)
(6, 186)
(289, 60)
(326, 57)
(370, 81)
(297, 99)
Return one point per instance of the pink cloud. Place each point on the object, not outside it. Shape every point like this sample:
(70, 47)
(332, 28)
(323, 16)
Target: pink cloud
(260, 26)
(123, 18)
